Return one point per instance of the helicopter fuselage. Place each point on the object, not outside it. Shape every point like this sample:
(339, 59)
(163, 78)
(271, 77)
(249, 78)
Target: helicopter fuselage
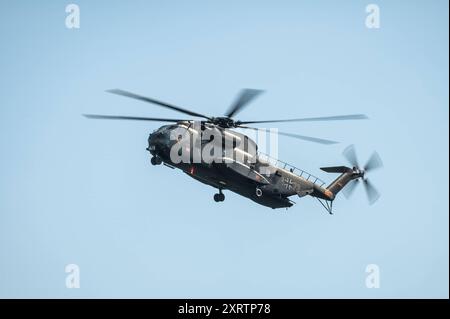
(236, 165)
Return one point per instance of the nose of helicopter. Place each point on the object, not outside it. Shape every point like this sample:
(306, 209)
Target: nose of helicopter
(159, 142)
(155, 141)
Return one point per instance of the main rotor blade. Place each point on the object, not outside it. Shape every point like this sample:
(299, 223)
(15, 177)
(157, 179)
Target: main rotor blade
(300, 137)
(244, 97)
(136, 118)
(371, 191)
(350, 154)
(160, 103)
(374, 162)
(350, 188)
(314, 119)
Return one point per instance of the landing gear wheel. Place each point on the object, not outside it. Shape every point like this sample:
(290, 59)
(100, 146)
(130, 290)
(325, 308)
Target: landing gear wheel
(220, 197)
(156, 160)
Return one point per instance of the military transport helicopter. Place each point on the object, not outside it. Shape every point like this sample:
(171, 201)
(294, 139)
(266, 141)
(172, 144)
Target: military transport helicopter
(238, 166)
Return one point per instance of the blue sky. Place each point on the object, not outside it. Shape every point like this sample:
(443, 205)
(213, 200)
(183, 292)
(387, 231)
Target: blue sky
(79, 191)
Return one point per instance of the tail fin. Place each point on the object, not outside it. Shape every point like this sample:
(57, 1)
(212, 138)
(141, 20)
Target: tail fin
(336, 169)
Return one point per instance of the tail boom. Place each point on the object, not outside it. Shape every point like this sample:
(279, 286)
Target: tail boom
(347, 175)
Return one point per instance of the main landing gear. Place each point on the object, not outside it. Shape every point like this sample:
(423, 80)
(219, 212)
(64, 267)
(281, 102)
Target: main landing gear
(156, 160)
(219, 197)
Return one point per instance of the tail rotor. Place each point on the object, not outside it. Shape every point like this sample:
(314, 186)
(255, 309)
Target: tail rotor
(373, 163)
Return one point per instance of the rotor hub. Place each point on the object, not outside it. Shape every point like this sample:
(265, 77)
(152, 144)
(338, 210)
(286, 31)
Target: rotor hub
(359, 172)
(224, 122)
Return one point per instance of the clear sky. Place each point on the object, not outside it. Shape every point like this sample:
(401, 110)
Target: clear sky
(80, 191)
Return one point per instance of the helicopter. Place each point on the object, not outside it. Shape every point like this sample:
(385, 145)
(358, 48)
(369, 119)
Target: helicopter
(233, 161)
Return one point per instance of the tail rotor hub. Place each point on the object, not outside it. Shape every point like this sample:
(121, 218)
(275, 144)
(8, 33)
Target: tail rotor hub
(359, 172)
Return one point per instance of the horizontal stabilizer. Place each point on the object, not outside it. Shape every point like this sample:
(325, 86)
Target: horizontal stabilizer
(336, 169)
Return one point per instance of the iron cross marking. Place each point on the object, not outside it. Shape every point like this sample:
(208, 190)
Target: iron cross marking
(288, 183)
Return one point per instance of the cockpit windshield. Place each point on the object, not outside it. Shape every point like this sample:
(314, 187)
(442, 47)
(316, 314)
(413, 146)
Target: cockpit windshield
(166, 128)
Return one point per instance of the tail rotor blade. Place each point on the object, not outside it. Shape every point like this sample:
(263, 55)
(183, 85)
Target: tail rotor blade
(350, 154)
(374, 162)
(350, 188)
(371, 191)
